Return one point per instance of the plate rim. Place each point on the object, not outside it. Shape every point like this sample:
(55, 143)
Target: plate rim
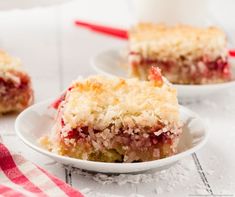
(117, 166)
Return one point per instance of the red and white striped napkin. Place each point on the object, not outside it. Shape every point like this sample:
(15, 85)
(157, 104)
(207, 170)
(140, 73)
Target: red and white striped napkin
(19, 177)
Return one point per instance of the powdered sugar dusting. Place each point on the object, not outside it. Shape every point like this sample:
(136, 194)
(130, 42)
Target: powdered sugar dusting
(98, 194)
(165, 181)
(90, 193)
(158, 190)
(86, 190)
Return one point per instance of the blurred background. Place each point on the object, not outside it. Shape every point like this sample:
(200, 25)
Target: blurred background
(43, 35)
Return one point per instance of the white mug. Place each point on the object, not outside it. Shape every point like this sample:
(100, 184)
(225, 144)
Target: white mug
(193, 12)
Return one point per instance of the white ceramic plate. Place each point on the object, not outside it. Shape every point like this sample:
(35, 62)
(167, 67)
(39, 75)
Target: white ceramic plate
(113, 62)
(37, 120)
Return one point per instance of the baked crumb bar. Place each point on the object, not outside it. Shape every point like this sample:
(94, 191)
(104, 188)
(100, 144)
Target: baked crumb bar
(185, 54)
(116, 120)
(15, 85)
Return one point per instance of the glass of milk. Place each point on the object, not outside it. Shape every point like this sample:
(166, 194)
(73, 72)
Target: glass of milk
(193, 12)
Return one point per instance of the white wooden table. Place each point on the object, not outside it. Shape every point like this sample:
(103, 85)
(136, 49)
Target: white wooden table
(55, 52)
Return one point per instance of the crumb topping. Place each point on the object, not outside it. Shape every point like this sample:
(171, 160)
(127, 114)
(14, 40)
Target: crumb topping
(173, 42)
(101, 101)
(8, 62)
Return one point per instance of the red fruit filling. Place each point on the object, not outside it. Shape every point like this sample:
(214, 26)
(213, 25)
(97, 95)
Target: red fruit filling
(201, 68)
(57, 102)
(15, 93)
(156, 76)
(124, 138)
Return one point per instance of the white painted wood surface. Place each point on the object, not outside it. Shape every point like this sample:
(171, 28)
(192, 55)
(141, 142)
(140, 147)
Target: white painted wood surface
(55, 52)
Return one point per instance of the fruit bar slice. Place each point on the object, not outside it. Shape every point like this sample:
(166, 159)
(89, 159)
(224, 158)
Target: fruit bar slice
(116, 120)
(185, 54)
(15, 85)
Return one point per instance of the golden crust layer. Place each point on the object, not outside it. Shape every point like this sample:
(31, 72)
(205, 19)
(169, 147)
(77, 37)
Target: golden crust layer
(101, 101)
(175, 42)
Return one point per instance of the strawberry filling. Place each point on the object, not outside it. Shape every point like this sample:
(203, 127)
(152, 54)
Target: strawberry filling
(16, 92)
(199, 69)
(57, 102)
(75, 133)
(122, 137)
(156, 76)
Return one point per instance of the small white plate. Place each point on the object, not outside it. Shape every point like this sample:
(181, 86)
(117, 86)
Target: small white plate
(37, 121)
(113, 62)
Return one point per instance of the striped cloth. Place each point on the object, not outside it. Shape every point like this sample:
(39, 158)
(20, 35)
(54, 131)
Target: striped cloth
(19, 177)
